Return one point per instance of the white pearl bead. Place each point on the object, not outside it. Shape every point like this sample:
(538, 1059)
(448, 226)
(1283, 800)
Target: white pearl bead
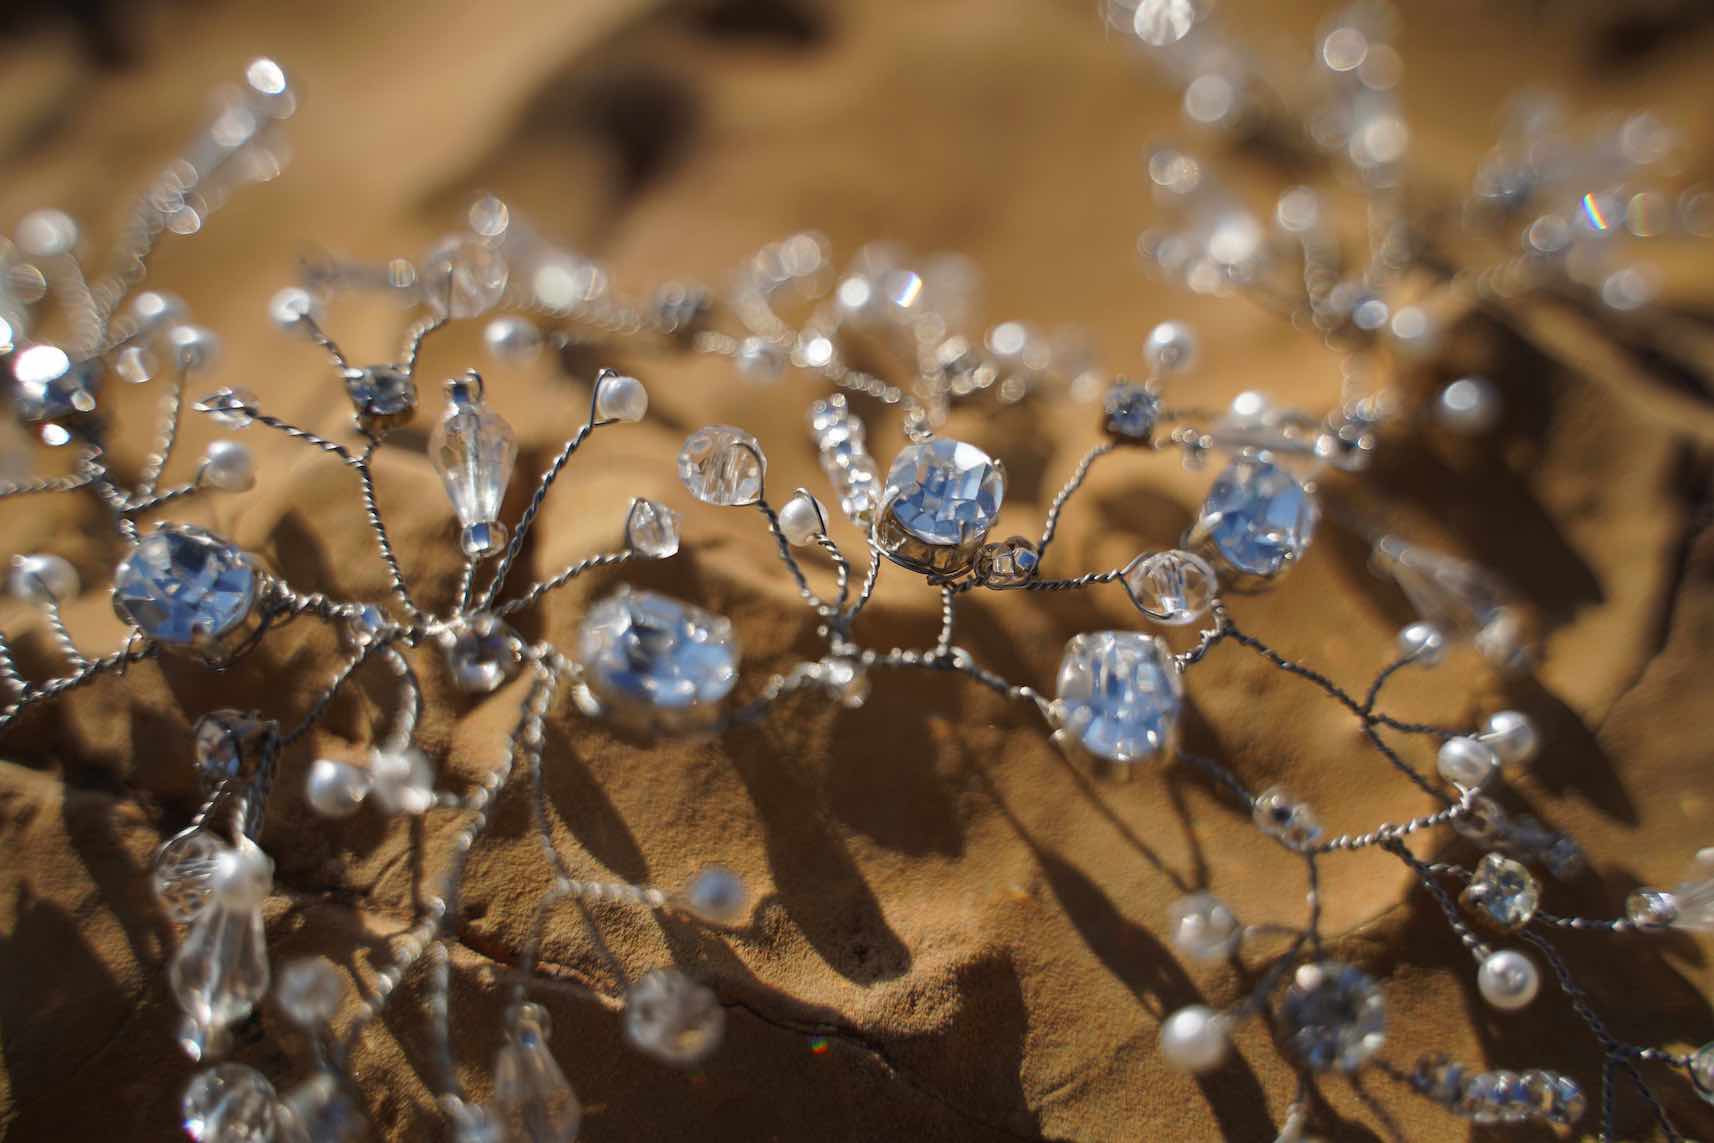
(1466, 761)
(1423, 643)
(289, 305)
(1512, 735)
(802, 519)
(1468, 406)
(228, 466)
(37, 578)
(335, 789)
(1170, 347)
(620, 398)
(243, 876)
(512, 338)
(194, 347)
(1508, 980)
(1194, 1039)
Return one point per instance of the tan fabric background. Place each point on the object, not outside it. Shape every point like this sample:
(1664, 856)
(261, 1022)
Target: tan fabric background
(975, 929)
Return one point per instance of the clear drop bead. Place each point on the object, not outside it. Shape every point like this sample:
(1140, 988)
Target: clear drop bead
(184, 873)
(651, 529)
(532, 1101)
(1172, 588)
(463, 276)
(673, 1018)
(722, 465)
(473, 449)
(846, 680)
(220, 970)
(1460, 598)
(229, 1103)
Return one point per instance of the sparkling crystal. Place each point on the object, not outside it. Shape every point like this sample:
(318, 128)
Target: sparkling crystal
(384, 395)
(228, 745)
(1120, 693)
(1258, 516)
(722, 465)
(1172, 588)
(840, 440)
(651, 529)
(643, 648)
(473, 449)
(1503, 892)
(310, 990)
(1280, 815)
(1333, 1016)
(229, 1103)
(1702, 1071)
(483, 655)
(48, 386)
(220, 970)
(944, 492)
(319, 1110)
(183, 876)
(673, 1018)
(1203, 927)
(182, 584)
(464, 276)
(1131, 411)
(1460, 598)
(717, 895)
(1009, 563)
(532, 1101)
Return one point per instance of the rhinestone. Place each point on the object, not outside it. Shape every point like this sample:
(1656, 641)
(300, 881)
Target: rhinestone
(1172, 588)
(1333, 1016)
(483, 655)
(229, 1103)
(722, 465)
(384, 395)
(1120, 693)
(181, 585)
(183, 876)
(1503, 892)
(1258, 516)
(651, 529)
(944, 492)
(643, 648)
(1011, 563)
(673, 1018)
(1131, 412)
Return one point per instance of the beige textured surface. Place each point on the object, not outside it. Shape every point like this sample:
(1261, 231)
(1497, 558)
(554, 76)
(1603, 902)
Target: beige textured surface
(974, 927)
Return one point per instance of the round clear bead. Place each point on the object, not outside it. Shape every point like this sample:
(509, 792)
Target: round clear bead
(1651, 909)
(1172, 588)
(1170, 347)
(464, 276)
(183, 876)
(717, 895)
(1203, 927)
(229, 1103)
(722, 465)
(310, 990)
(228, 466)
(673, 1018)
(1283, 817)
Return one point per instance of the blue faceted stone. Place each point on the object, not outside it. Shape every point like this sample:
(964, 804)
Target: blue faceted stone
(181, 585)
(1120, 693)
(1131, 411)
(1258, 515)
(646, 649)
(945, 491)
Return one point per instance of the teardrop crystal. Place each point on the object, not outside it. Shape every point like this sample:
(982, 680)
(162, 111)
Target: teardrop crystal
(1461, 598)
(221, 969)
(532, 1100)
(473, 449)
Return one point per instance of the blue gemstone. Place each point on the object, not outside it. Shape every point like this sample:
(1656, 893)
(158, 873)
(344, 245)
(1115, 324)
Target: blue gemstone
(945, 492)
(181, 584)
(647, 649)
(1120, 692)
(1132, 411)
(1258, 515)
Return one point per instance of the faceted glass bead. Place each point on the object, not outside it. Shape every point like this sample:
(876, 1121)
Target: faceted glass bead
(319, 1110)
(220, 970)
(1333, 1016)
(463, 276)
(1131, 412)
(384, 395)
(1172, 588)
(1702, 1071)
(228, 745)
(1010, 563)
(179, 584)
(1120, 693)
(483, 655)
(642, 648)
(184, 873)
(944, 492)
(651, 529)
(473, 449)
(1502, 892)
(1259, 517)
(722, 465)
(1279, 815)
(229, 1103)
(1203, 927)
(532, 1101)
(673, 1018)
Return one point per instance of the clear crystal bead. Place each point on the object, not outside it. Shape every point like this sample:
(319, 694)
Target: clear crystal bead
(1172, 588)
(320, 1110)
(180, 584)
(1119, 693)
(1009, 563)
(839, 436)
(1280, 815)
(229, 1103)
(532, 1101)
(483, 655)
(473, 449)
(1503, 892)
(184, 873)
(651, 529)
(944, 492)
(1203, 927)
(1258, 516)
(673, 1018)
(1131, 411)
(463, 276)
(310, 991)
(642, 648)
(717, 895)
(1462, 599)
(722, 465)
(1333, 1016)
(220, 970)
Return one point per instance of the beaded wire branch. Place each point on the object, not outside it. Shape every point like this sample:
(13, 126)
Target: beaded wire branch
(654, 664)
